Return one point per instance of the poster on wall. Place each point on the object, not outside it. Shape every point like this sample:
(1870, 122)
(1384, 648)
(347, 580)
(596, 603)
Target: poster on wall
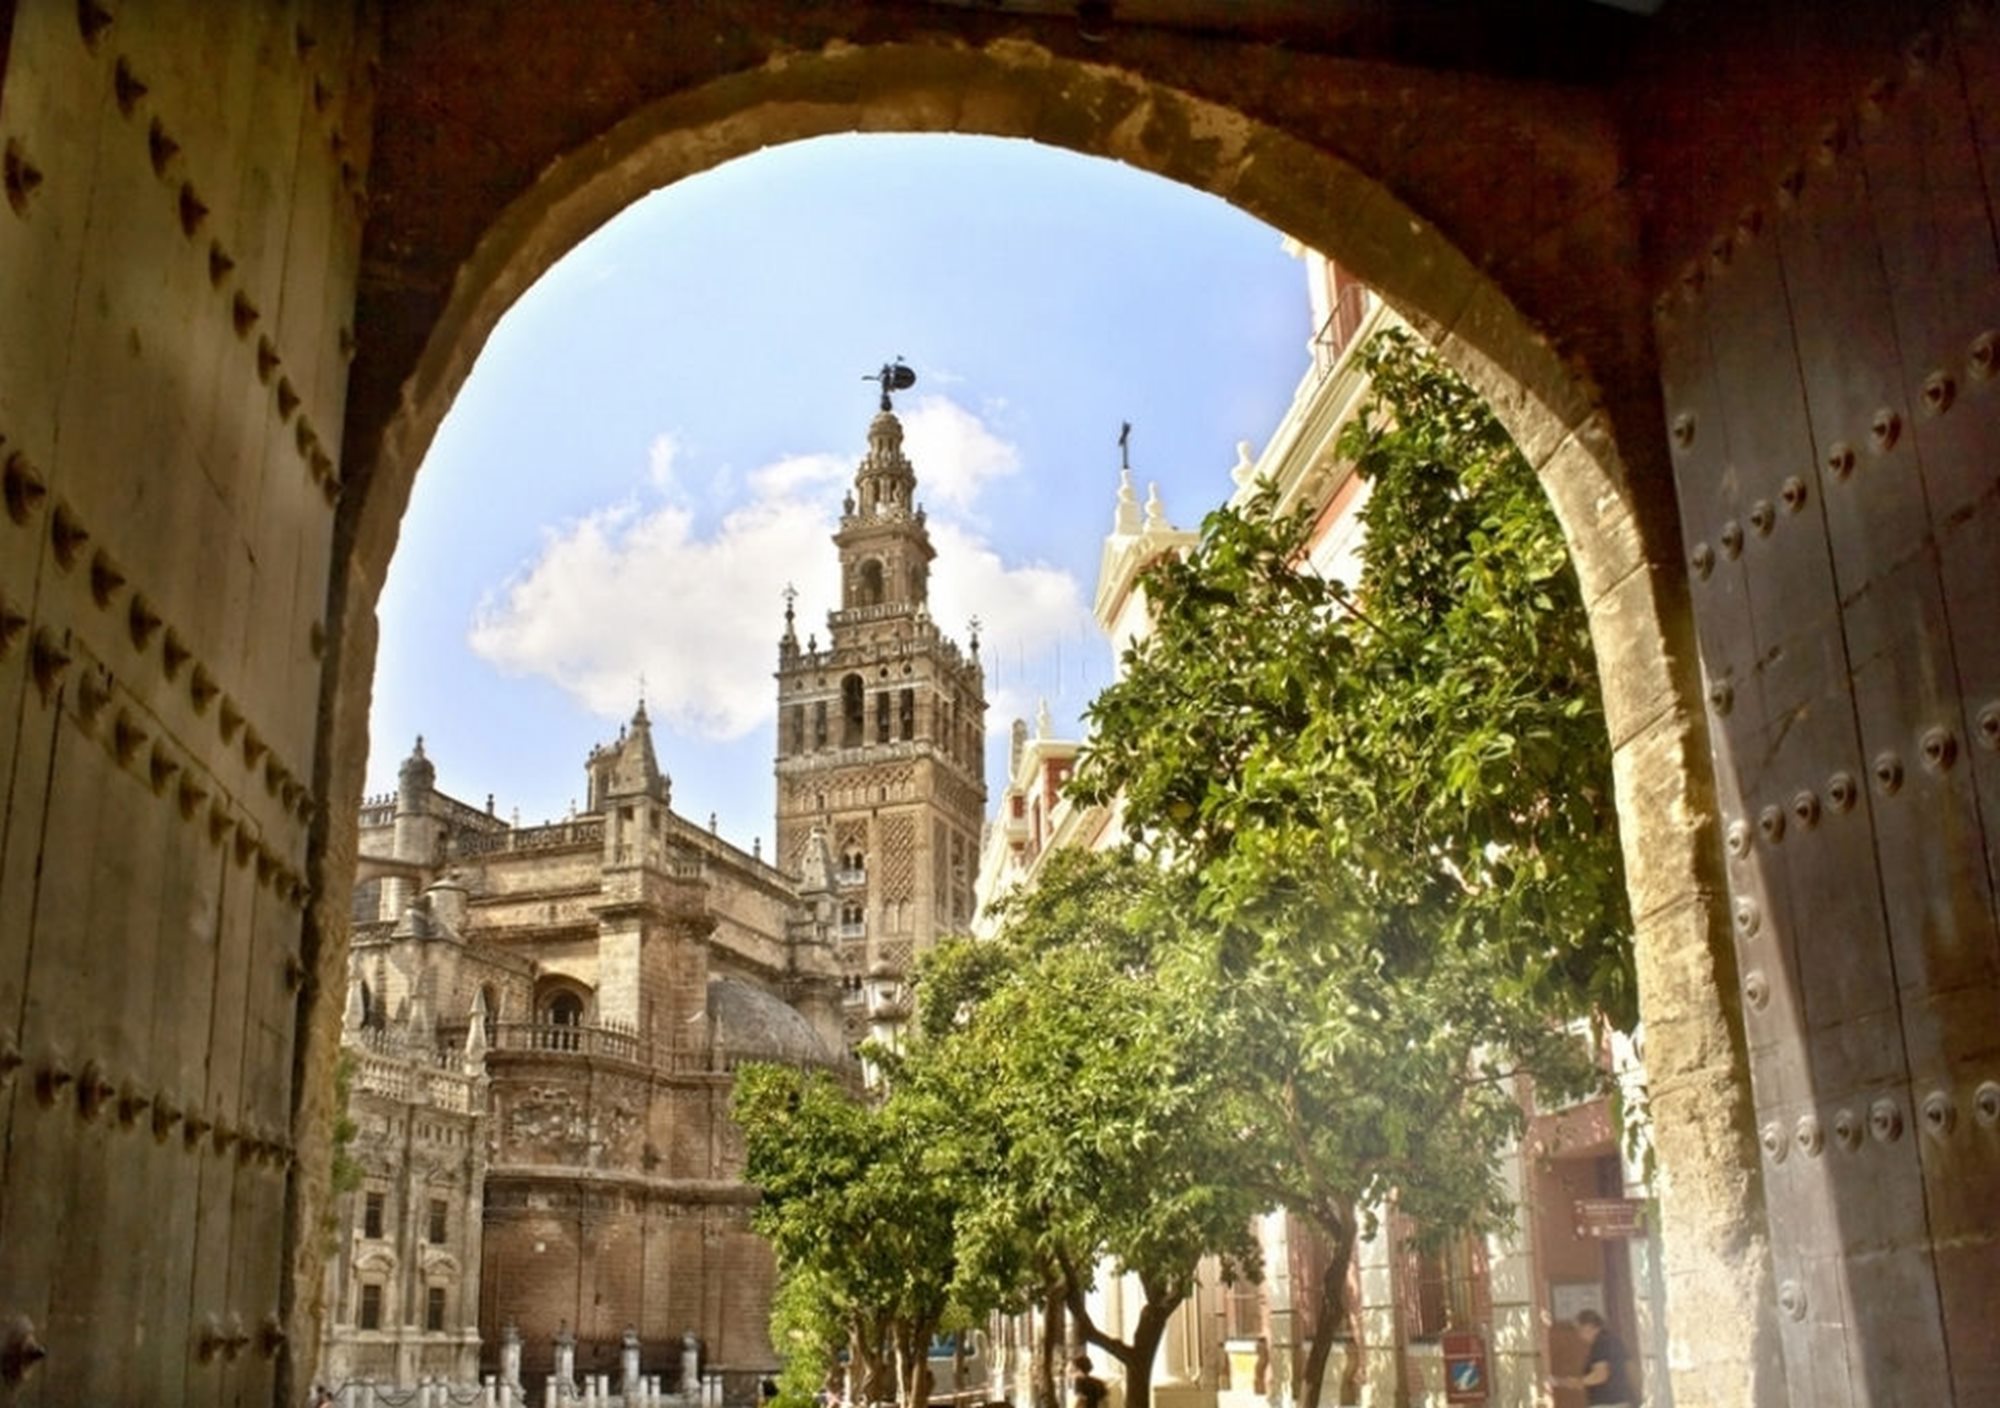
(1464, 1366)
(1566, 1298)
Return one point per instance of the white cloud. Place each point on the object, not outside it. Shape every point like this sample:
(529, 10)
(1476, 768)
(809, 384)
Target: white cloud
(631, 591)
(954, 452)
(660, 456)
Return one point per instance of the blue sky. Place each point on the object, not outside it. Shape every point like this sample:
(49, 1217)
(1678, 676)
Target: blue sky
(656, 438)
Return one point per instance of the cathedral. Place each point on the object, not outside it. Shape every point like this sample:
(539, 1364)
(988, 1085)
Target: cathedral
(539, 1175)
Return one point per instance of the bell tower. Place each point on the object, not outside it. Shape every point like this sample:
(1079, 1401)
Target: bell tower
(881, 739)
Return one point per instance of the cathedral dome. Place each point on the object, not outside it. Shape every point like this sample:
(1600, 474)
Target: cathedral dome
(752, 1023)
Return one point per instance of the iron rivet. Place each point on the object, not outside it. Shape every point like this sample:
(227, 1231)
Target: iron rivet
(1986, 1103)
(67, 535)
(1847, 1129)
(1921, 53)
(20, 1351)
(1831, 143)
(161, 148)
(92, 19)
(141, 621)
(208, 1339)
(24, 488)
(1692, 278)
(1792, 1300)
(1885, 1121)
(1748, 918)
(1702, 559)
(1791, 185)
(1721, 251)
(92, 1090)
(1940, 1115)
(1885, 430)
(1983, 356)
(1805, 808)
(1888, 773)
(1793, 492)
(1809, 1136)
(271, 1336)
(48, 660)
(1684, 429)
(165, 1115)
(1939, 392)
(105, 578)
(1750, 223)
(1841, 791)
(127, 86)
(1738, 839)
(1876, 96)
(52, 1077)
(1840, 460)
(194, 210)
(1940, 749)
(1663, 307)
(21, 177)
(93, 692)
(1771, 821)
(1763, 517)
(132, 1102)
(1722, 695)
(1757, 988)
(1775, 1143)
(1731, 538)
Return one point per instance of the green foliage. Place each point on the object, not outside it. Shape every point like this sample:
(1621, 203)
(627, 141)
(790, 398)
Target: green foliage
(1388, 805)
(1064, 1061)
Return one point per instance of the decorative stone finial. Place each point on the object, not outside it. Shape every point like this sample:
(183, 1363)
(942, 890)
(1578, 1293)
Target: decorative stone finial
(1043, 727)
(1156, 512)
(1244, 467)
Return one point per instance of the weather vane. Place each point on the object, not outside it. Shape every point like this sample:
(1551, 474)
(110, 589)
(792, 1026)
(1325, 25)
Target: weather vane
(894, 376)
(1125, 444)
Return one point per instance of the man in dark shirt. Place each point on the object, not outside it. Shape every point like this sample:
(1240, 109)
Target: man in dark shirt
(1603, 1380)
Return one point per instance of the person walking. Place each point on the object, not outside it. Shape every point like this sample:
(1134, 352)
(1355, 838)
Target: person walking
(1086, 1390)
(1603, 1380)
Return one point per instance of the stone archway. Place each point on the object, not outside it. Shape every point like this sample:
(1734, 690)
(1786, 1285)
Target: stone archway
(1578, 429)
(1716, 267)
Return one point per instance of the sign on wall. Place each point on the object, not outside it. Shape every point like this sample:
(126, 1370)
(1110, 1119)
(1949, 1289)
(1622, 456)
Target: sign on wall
(1620, 1218)
(1465, 1378)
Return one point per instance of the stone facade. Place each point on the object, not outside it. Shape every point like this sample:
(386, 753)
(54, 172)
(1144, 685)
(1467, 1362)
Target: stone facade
(882, 744)
(559, 1008)
(577, 995)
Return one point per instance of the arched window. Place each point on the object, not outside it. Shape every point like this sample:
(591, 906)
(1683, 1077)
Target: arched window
(565, 1009)
(916, 581)
(868, 586)
(853, 703)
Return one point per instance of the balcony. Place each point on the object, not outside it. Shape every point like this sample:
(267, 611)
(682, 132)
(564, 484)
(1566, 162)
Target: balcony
(850, 879)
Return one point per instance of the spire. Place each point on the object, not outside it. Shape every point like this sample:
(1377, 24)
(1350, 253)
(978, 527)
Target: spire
(885, 483)
(417, 772)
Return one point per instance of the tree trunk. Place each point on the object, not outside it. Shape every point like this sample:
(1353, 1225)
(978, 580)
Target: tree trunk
(866, 1371)
(1327, 1315)
(1055, 1334)
(1143, 1350)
